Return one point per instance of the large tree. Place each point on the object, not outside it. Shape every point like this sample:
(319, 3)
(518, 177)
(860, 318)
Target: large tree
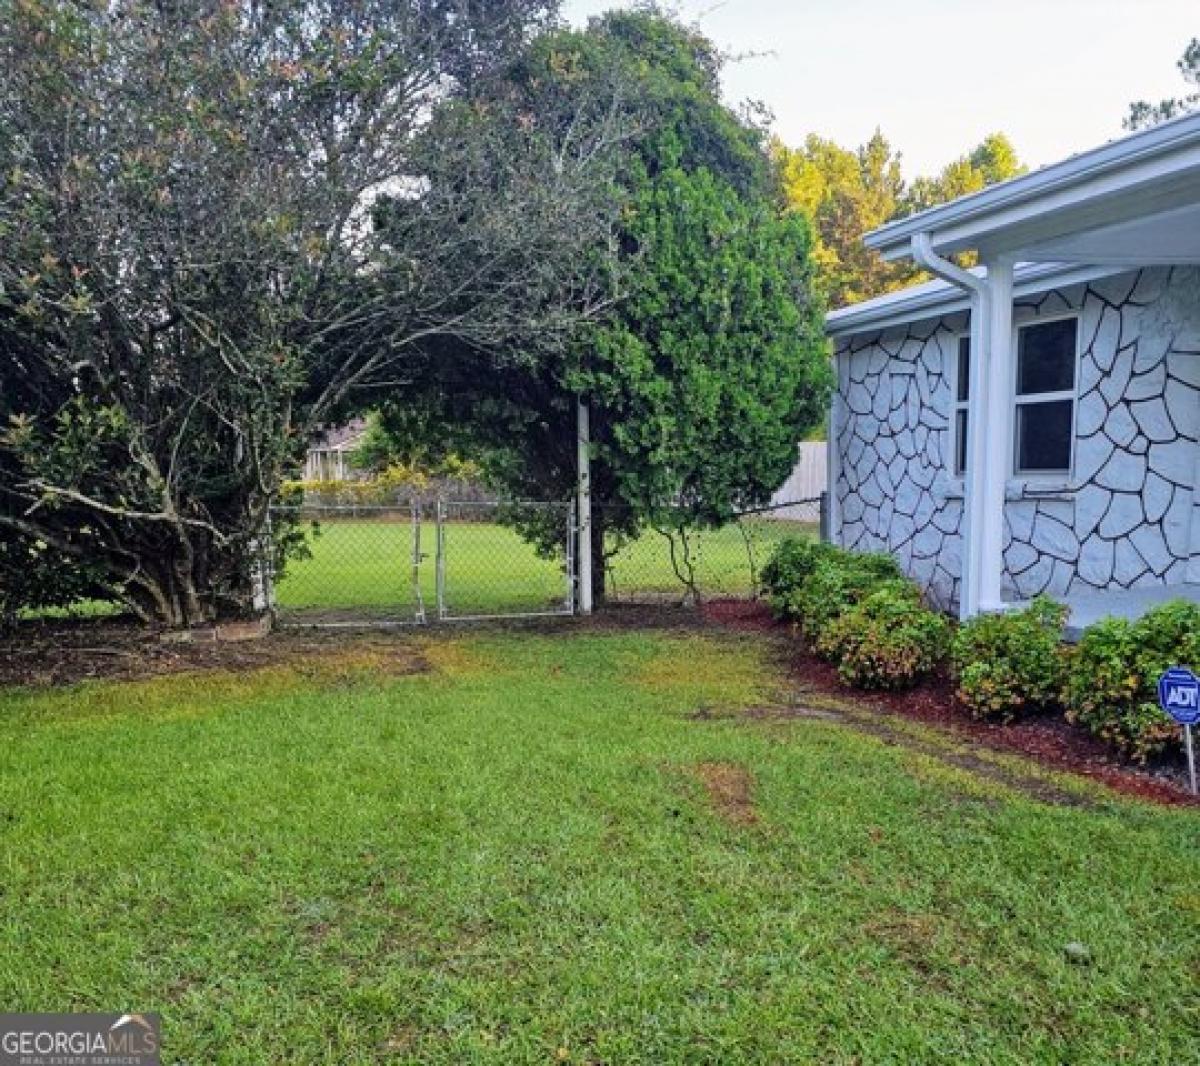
(710, 363)
(191, 273)
(846, 193)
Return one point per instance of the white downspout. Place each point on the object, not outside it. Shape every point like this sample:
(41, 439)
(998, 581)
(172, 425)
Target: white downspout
(833, 466)
(973, 509)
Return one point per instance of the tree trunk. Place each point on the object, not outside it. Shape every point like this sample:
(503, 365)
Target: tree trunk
(175, 590)
(598, 556)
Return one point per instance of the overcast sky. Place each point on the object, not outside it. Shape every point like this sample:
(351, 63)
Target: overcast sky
(938, 75)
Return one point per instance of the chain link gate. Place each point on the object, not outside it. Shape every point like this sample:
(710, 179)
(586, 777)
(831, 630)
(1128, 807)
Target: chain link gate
(361, 565)
(486, 569)
(370, 565)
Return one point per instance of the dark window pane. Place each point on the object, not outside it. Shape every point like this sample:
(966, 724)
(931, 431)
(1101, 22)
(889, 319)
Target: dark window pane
(1044, 436)
(960, 442)
(1046, 357)
(964, 368)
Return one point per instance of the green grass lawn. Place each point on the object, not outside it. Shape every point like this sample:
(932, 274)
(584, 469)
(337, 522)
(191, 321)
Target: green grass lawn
(364, 565)
(571, 848)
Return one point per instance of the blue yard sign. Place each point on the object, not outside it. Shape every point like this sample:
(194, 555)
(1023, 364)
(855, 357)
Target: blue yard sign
(1179, 695)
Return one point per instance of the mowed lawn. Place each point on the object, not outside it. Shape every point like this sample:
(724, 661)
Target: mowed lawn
(364, 565)
(584, 847)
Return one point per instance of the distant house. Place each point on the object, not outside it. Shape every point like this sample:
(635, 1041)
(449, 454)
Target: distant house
(1033, 425)
(328, 457)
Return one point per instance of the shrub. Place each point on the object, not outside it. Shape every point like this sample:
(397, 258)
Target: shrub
(34, 576)
(1113, 677)
(812, 583)
(791, 564)
(1011, 663)
(887, 640)
(835, 586)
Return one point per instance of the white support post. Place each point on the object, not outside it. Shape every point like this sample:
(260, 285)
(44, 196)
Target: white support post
(583, 506)
(973, 479)
(996, 388)
(1193, 573)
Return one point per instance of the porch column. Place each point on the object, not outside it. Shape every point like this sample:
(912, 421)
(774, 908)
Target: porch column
(973, 481)
(996, 386)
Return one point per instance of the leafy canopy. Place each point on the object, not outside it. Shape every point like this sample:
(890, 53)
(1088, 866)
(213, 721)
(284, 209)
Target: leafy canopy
(708, 363)
(191, 277)
(846, 193)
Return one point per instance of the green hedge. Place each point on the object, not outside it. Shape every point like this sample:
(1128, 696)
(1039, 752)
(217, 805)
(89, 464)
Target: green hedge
(1009, 664)
(812, 584)
(1113, 677)
(887, 640)
(860, 613)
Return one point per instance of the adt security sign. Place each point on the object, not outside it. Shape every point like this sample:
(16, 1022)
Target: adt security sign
(1179, 696)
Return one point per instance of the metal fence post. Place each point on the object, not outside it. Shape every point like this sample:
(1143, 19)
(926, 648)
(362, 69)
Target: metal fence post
(826, 534)
(440, 562)
(262, 570)
(418, 599)
(572, 528)
(583, 457)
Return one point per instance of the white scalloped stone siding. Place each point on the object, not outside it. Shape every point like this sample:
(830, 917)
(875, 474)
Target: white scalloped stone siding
(1129, 517)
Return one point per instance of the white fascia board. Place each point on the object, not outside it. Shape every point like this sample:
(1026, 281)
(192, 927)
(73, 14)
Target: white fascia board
(937, 298)
(1164, 153)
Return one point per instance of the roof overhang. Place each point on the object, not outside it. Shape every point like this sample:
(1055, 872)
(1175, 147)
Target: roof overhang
(1132, 202)
(934, 299)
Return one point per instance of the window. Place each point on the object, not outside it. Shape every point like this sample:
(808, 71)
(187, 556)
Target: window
(1045, 396)
(962, 393)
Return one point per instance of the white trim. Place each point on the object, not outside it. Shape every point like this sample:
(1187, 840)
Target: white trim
(936, 299)
(957, 405)
(1039, 477)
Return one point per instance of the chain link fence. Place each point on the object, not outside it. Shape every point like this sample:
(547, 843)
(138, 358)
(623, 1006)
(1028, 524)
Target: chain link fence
(672, 562)
(412, 563)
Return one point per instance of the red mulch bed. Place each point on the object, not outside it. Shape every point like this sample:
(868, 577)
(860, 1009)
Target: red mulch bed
(1050, 740)
(750, 616)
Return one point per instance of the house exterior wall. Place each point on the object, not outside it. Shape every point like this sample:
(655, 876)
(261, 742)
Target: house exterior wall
(1129, 514)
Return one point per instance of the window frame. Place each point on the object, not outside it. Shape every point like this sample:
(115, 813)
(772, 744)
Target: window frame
(1017, 401)
(956, 405)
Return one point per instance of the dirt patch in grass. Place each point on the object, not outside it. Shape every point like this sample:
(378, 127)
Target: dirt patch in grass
(730, 791)
(1036, 786)
(41, 656)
